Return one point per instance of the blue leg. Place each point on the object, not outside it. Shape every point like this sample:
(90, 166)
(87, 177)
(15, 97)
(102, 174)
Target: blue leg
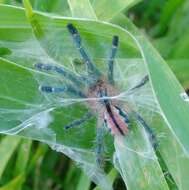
(99, 151)
(124, 115)
(150, 132)
(92, 70)
(67, 74)
(141, 83)
(78, 122)
(49, 89)
(76, 92)
(115, 43)
(68, 88)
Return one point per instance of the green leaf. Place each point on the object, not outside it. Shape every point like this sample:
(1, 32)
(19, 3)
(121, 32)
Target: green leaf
(180, 50)
(59, 7)
(167, 14)
(14, 184)
(38, 155)
(23, 157)
(40, 35)
(177, 34)
(163, 79)
(84, 182)
(4, 51)
(112, 176)
(180, 67)
(107, 9)
(60, 48)
(166, 85)
(7, 147)
(101, 9)
(81, 9)
(139, 169)
(166, 88)
(54, 135)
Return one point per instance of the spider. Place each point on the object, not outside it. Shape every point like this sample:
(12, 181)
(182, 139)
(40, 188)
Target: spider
(111, 114)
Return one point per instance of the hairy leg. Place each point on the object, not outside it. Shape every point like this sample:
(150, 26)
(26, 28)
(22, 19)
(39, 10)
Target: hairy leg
(115, 42)
(77, 80)
(91, 68)
(78, 122)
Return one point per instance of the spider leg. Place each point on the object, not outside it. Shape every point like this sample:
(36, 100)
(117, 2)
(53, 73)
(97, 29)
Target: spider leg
(76, 92)
(67, 74)
(99, 151)
(49, 89)
(150, 132)
(68, 88)
(124, 115)
(115, 42)
(92, 70)
(141, 83)
(78, 122)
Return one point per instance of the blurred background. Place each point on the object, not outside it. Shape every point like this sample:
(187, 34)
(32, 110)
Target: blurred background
(30, 165)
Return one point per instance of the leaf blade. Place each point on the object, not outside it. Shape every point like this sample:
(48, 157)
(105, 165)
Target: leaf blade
(82, 9)
(7, 147)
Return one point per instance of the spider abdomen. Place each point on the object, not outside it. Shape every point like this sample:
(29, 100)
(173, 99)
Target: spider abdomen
(116, 123)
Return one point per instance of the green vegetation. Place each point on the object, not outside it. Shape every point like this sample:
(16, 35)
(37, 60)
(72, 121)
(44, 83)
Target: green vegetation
(36, 153)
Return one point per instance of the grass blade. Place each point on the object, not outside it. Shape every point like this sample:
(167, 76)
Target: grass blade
(7, 147)
(84, 183)
(15, 183)
(23, 156)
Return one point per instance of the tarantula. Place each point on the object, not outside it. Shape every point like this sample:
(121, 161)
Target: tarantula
(99, 88)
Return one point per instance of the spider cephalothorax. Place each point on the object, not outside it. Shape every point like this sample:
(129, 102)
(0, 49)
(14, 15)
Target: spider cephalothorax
(100, 90)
